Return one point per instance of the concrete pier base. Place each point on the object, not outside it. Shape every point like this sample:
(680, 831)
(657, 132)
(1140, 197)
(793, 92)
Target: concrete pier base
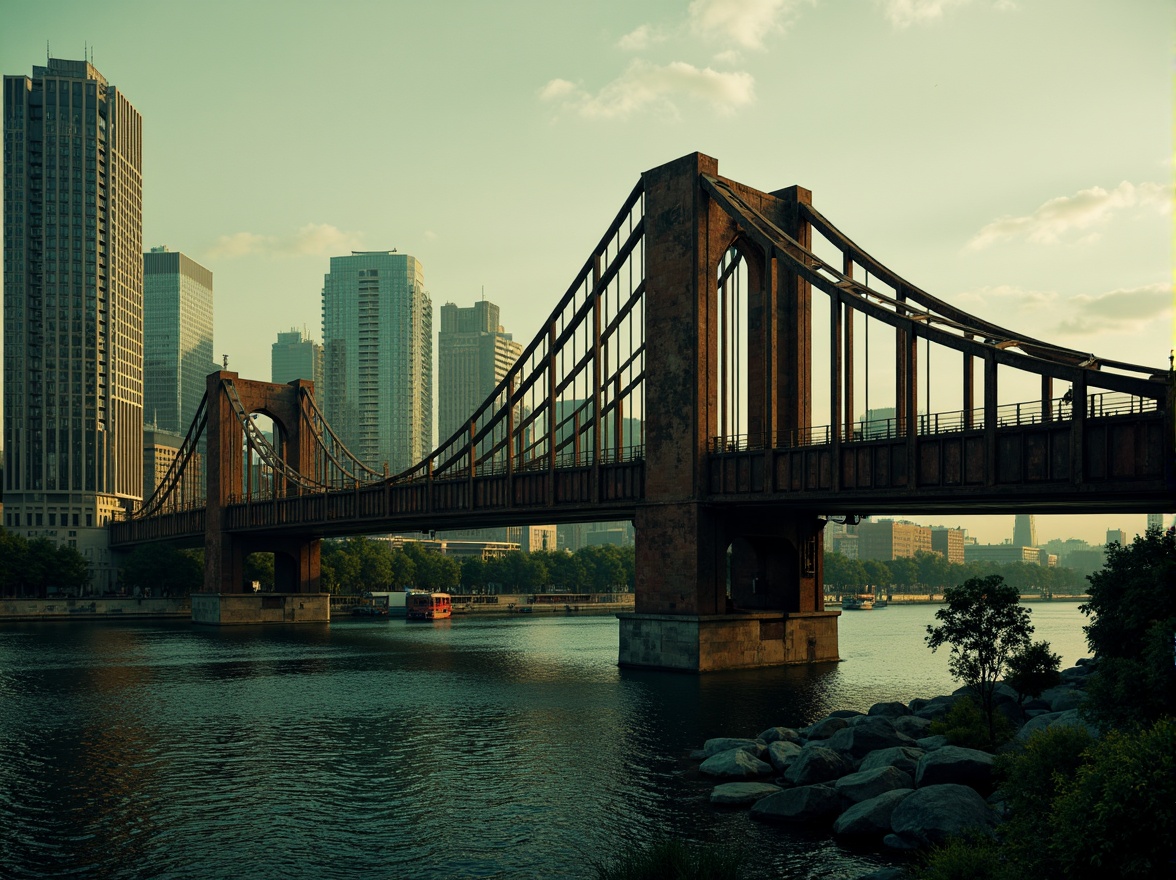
(693, 643)
(237, 609)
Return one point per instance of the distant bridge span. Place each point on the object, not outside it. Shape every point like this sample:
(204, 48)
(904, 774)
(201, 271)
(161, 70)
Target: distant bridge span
(675, 385)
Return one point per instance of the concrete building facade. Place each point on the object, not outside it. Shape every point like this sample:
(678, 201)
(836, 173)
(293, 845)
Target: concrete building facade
(474, 354)
(378, 357)
(949, 543)
(73, 307)
(890, 539)
(177, 338)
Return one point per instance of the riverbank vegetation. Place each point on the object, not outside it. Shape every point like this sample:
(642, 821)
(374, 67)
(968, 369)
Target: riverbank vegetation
(34, 567)
(1080, 806)
(930, 574)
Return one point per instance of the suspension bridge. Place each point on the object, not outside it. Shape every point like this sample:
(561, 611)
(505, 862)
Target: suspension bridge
(728, 370)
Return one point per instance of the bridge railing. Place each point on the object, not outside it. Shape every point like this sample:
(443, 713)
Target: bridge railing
(1021, 414)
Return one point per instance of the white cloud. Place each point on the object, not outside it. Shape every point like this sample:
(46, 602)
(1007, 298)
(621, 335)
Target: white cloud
(313, 239)
(1046, 314)
(645, 86)
(743, 22)
(1083, 212)
(904, 13)
(1118, 311)
(641, 37)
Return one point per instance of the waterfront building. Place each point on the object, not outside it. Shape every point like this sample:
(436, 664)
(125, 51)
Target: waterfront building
(474, 354)
(949, 543)
(73, 307)
(160, 449)
(1116, 536)
(296, 356)
(1002, 553)
(378, 357)
(1155, 521)
(177, 338)
(890, 539)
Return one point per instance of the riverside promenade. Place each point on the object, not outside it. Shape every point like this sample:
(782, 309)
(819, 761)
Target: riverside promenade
(94, 608)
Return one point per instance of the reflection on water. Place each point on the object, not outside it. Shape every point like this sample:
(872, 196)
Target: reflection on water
(474, 748)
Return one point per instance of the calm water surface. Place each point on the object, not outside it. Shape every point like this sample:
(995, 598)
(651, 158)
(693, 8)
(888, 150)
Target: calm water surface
(480, 747)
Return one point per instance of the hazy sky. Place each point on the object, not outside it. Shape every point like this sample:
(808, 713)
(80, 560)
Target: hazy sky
(1013, 157)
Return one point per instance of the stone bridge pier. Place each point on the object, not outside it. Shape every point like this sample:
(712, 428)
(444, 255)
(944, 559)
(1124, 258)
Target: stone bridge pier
(720, 585)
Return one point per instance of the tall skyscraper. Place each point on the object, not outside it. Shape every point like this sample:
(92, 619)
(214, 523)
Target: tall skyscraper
(1024, 531)
(177, 338)
(378, 357)
(295, 356)
(474, 354)
(73, 306)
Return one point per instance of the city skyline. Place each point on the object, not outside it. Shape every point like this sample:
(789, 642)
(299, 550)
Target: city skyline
(1034, 191)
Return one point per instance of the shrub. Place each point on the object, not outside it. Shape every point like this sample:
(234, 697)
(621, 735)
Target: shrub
(673, 859)
(965, 725)
(1032, 670)
(965, 858)
(1117, 817)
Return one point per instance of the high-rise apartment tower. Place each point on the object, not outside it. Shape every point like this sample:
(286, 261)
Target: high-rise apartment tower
(295, 356)
(177, 338)
(474, 354)
(378, 357)
(73, 306)
(1024, 531)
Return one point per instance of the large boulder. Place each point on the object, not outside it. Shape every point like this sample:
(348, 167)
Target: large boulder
(781, 754)
(955, 764)
(871, 818)
(912, 725)
(1070, 718)
(740, 794)
(892, 709)
(931, 815)
(868, 735)
(809, 803)
(817, 764)
(932, 709)
(726, 743)
(734, 764)
(866, 784)
(931, 743)
(779, 734)
(824, 729)
(904, 758)
(1063, 699)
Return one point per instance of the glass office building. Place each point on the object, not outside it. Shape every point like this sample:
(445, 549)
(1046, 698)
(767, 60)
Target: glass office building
(378, 357)
(177, 338)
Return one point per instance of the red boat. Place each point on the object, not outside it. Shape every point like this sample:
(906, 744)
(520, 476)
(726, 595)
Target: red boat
(428, 606)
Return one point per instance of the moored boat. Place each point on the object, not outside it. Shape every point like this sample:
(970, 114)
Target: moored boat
(428, 606)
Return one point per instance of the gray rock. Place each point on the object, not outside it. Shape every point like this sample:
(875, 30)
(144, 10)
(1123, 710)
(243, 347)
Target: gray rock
(1063, 699)
(809, 803)
(781, 754)
(892, 709)
(847, 714)
(1070, 718)
(873, 733)
(931, 743)
(932, 709)
(931, 815)
(726, 743)
(913, 726)
(816, 764)
(741, 793)
(871, 818)
(866, 784)
(885, 874)
(904, 758)
(893, 841)
(824, 729)
(779, 734)
(956, 765)
(734, 764)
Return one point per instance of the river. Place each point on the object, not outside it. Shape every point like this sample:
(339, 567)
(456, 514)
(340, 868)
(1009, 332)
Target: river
(478, 747)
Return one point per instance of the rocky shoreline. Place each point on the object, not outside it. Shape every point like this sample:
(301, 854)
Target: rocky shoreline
(880, 778)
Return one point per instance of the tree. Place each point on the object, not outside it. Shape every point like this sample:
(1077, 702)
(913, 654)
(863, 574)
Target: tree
(1033, 670)
(163, 569)
(984, 624)
(1133, 623)
(259, 567)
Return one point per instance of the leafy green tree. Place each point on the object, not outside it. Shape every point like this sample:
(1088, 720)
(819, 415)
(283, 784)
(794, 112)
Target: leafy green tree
(1032, 670)
(933, 570)
(473, 573)
(1132, 629)
(904, 572)
(163, 569)
(877, 574)
(13, 559)
(984, 624)
(259, 567)
(566, 572)
(436, 572)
